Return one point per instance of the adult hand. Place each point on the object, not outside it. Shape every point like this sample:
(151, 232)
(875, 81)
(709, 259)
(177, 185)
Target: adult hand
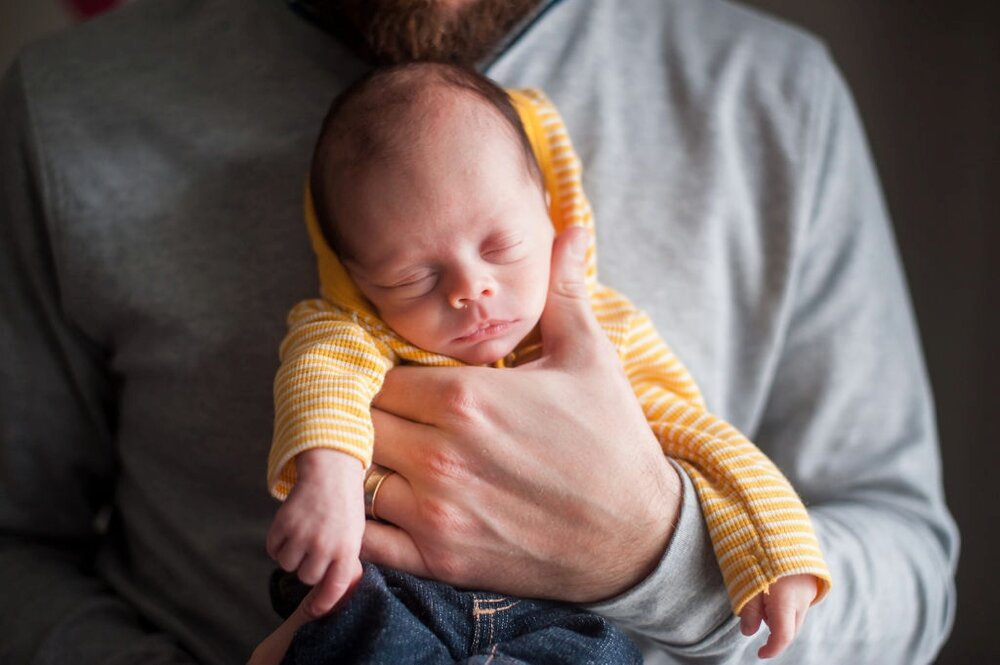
(541, 481)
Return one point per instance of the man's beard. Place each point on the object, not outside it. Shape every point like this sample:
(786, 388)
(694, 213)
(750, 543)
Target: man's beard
(394, 31)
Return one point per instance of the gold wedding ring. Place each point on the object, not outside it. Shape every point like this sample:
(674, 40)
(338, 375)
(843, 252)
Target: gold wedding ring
(374, 478)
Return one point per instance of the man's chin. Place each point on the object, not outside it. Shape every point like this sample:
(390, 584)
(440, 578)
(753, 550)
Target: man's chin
(396, 31)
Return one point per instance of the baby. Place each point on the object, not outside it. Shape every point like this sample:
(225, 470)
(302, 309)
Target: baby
(426, 187)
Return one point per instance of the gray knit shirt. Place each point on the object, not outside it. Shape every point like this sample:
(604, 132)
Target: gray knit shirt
(151, 242)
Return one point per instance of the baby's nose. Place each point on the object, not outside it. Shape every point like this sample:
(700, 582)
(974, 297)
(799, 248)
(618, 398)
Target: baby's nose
(470, 292)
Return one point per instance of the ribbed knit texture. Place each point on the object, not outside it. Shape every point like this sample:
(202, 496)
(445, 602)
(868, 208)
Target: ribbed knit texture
(337, 352)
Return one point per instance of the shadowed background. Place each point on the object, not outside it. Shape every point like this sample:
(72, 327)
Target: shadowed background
(926, 78)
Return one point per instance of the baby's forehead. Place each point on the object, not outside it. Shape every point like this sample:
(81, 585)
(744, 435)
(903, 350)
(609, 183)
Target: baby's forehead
(444, 123)
(444, 112)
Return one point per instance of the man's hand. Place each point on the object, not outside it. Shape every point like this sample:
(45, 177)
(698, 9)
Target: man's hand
(272, 650)
(542, 481)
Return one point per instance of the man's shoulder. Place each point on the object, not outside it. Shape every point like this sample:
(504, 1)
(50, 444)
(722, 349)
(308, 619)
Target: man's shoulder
(714, 28)
(735, 39)
(156, 48)
(729, 21)
(681, 69)
(696, 43)
(114, 47)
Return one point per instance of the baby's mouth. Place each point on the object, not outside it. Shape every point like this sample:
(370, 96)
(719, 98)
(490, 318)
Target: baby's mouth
(486, 330)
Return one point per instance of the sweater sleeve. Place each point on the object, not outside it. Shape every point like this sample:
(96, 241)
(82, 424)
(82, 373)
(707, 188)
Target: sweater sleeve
(760, 530)
(331, 369)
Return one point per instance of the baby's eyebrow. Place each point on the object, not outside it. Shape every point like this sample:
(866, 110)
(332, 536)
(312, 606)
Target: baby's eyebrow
(381, 264)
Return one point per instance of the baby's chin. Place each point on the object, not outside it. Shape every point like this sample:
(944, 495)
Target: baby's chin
(485, 353)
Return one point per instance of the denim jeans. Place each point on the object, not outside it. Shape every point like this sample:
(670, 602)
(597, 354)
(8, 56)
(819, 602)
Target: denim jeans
(394, 618)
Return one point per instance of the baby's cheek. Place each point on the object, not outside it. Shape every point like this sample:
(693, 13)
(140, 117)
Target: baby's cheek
(419, 325)
(536, 290)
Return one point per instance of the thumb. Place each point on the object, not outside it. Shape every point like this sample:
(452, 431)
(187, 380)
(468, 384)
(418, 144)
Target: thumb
(568, 318)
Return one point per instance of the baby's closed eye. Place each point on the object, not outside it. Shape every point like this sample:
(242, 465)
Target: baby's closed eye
(412, 285)
(504, 249)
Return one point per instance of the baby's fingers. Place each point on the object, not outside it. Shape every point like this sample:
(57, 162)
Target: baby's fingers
(340, 579)
(751, 615)
(783, 624)
(276, 537)
(289, 554)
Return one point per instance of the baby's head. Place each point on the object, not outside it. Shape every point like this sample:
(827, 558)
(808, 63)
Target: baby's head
(427, 189)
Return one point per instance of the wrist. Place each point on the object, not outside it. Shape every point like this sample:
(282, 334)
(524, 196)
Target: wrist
(326, 462)
(697, 602)
(665, 504)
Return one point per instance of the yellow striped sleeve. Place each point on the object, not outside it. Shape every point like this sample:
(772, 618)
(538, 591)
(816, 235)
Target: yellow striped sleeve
(759, 528)
(331, 368)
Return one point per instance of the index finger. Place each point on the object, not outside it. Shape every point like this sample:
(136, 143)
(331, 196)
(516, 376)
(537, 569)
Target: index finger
(424, 394)
(401, 443)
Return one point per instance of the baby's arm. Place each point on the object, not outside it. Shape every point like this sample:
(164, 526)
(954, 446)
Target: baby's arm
(317, 531)
(760, 530)
(331, 368)
(782, 607)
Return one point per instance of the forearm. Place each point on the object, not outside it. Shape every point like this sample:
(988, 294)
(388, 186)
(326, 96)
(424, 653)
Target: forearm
(330, 371)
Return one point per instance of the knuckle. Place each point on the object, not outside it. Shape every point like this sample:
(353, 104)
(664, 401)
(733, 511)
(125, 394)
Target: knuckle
(336, 582)
(320, 545)
(444, 464)
(449, 567)
(460, 401)
(295, 539)
(441, 517)
(574, 289)
(316, 609)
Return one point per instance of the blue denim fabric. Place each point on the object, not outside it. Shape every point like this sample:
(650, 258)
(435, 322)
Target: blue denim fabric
(394, 618)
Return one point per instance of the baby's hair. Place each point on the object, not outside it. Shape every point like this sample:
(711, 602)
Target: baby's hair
(367, 122)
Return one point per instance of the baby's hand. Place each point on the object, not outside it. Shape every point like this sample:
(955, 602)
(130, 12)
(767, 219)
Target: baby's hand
(782, 608)
(317, 531)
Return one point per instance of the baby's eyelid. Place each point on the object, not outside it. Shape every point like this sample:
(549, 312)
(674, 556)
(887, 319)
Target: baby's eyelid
(503, 247)
(408, 281)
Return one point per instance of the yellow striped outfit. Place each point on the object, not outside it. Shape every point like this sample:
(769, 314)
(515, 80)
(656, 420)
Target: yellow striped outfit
(337, 352)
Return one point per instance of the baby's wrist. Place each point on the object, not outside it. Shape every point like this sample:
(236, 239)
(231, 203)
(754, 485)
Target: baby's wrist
(326, 461)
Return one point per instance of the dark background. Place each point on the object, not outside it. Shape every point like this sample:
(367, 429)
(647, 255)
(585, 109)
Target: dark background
(926, 78)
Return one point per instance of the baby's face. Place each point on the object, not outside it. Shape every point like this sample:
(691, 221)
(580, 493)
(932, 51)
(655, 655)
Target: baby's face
(452, 245)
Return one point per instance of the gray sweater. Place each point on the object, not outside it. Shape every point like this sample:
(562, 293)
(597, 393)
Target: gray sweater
(151, 242)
